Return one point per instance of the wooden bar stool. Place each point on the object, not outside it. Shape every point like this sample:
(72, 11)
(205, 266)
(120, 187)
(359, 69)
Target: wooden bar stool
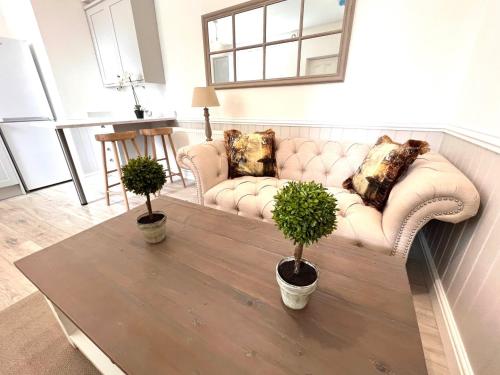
(162, 132)
(114, 138)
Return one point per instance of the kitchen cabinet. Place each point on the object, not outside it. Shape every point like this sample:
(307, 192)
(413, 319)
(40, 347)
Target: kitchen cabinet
(8, 175)
(126, 40)
(89, 152)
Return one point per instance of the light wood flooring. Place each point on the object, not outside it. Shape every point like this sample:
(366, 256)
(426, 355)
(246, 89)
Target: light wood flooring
(31, 222)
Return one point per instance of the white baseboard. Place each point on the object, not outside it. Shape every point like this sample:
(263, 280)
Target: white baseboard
(452, 340)
(11, 191)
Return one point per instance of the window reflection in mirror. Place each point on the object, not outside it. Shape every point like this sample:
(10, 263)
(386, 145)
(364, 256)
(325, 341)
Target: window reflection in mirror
(220, 34)
(283, 20)
(249, 27)
(322, 15)
(281, 60)
(222, 67)
(249, 64)
(320, 55)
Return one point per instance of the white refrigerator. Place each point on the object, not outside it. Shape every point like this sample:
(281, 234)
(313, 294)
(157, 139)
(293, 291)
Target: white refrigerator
(26, 116)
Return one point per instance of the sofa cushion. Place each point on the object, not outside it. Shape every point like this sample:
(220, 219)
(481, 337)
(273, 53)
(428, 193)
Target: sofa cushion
(250, 154)
(327, 162)
(253, 197)
(383, 166)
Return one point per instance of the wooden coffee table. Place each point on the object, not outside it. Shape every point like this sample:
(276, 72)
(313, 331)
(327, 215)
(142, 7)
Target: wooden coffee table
(205, 301)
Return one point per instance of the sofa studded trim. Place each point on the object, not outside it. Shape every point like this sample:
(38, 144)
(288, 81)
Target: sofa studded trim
(191, 166)
(191, 161)
(403, 250)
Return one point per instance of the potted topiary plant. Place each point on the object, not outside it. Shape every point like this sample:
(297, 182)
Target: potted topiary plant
(144, 176)
(304, 212)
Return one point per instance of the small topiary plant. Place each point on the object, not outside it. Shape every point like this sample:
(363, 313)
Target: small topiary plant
(144, 176)
(304, 212)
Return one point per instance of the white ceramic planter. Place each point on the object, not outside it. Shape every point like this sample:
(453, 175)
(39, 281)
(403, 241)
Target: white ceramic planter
(154, 232)
(295, 297)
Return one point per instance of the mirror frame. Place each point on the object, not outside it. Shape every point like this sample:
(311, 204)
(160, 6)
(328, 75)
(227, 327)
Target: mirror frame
(296, 80)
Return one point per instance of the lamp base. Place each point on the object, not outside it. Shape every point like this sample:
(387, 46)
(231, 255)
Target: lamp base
(208, 129)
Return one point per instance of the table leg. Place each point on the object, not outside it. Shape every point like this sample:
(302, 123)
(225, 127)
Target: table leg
(67, 327)
(80, 341)
(71, 165)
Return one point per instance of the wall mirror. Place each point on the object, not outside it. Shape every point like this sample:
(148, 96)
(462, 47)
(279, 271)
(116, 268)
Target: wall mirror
(277, 42)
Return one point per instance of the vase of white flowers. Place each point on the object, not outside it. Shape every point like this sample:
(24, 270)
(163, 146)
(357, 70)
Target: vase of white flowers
(127, 78)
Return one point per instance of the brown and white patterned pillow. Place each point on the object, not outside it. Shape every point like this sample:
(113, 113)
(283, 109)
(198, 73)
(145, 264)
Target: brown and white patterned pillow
(250, 154)
(385, 163)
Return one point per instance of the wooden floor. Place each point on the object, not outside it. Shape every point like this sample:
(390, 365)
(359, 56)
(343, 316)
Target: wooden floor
(34, 221)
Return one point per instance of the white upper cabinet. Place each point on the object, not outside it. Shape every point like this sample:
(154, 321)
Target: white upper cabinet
(121, 14)
(125, 36)
(105, 45)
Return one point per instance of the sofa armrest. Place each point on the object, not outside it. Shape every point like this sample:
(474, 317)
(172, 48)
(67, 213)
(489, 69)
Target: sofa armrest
(207, 162)
(433, 188)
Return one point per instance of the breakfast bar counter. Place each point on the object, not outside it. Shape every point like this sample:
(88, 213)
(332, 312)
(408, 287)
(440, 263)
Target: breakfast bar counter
(89, 122)
(117, 123)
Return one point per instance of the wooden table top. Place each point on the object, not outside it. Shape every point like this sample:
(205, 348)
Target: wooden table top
(206, 301)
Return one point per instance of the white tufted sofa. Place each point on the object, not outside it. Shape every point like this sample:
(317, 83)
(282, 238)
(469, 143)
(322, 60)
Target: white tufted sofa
(431, 189)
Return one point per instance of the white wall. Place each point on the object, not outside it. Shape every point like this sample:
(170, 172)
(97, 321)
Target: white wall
(4, 31)
(66, 35)
(403, 66)
(478, 106)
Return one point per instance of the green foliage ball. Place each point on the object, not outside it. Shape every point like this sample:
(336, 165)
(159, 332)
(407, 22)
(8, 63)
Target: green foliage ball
(143, 176)
(305, 212)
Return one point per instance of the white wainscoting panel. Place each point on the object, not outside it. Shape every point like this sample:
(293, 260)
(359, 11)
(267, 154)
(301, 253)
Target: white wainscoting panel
(467, 257)
(458, 360)
(335, 133)
(87, 153)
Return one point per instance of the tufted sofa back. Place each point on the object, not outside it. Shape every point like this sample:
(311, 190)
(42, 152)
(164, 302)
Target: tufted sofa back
(327, 162)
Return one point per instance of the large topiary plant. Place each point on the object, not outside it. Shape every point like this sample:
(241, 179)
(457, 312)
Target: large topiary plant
(144, 176)
(304, 212)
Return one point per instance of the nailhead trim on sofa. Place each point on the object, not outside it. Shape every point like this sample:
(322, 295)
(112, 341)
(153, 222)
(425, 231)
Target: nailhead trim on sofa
(403, 252)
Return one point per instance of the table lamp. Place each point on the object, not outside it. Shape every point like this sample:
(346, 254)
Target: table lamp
(205, 97)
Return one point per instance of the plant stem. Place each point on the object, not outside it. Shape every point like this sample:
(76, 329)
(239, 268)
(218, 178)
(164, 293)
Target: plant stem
(148, 204)
(133, 91)
(298, 256)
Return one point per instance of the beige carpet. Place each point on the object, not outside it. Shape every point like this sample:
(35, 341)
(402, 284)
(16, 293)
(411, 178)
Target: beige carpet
(31, 342)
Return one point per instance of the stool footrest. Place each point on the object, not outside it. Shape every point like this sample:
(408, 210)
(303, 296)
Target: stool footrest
(163, 133)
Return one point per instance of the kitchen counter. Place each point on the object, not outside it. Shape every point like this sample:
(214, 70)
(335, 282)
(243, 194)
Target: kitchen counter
(99, 121)
(67, 124)
(127, 123)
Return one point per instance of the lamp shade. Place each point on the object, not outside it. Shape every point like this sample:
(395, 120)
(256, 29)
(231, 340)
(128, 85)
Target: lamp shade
(205, 97)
